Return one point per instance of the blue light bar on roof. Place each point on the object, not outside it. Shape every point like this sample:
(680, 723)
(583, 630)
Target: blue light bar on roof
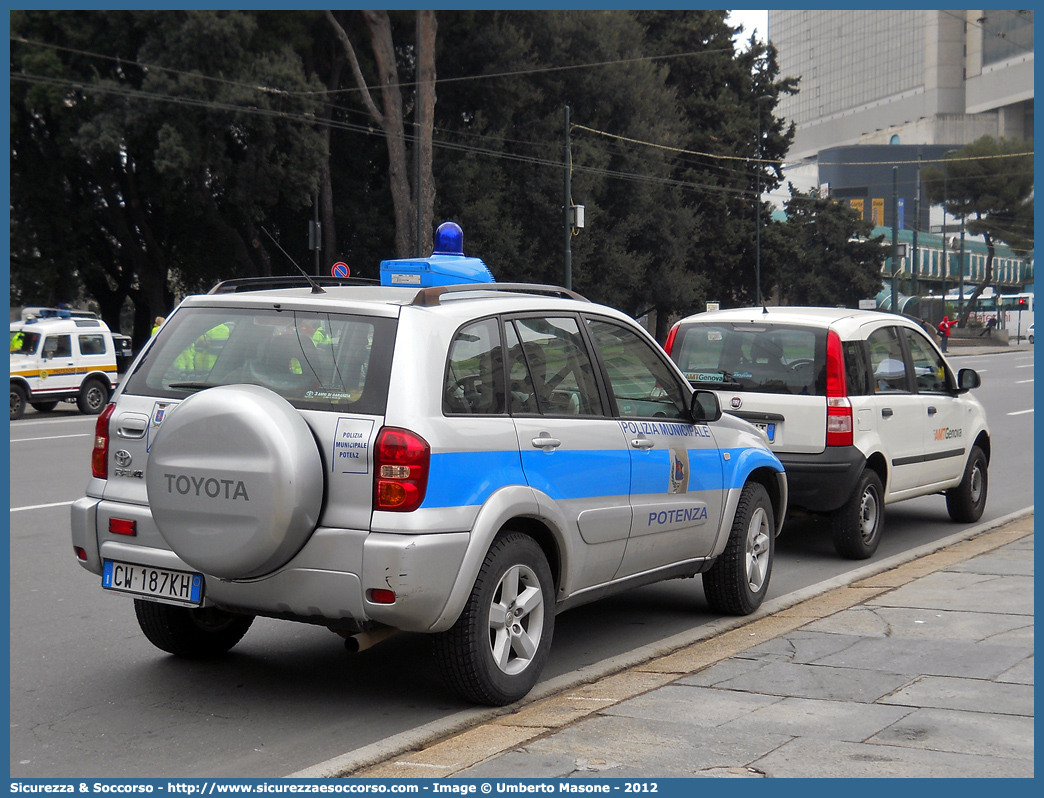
(447, 265)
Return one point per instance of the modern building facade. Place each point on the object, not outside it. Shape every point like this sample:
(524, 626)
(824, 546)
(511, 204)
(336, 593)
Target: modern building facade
(909, 77)
(895, 89)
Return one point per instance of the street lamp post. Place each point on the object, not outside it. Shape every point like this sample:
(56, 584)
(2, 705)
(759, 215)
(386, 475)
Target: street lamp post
(895, 239)
(757, 200)
(945, 263)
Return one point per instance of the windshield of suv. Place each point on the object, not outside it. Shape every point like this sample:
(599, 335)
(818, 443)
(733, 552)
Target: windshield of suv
(769, 358)
(318, 361)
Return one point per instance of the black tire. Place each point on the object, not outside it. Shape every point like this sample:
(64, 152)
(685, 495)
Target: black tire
(857, 525)
(94, 394)
(515, 568)
(188, 632)
(43, 407)
(737, 582)
(19, 399)
(966, 502)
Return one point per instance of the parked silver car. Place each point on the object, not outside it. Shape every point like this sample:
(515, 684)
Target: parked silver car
(463, 461)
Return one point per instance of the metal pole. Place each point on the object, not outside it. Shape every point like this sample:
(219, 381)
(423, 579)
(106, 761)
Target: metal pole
(895, 236)
(945, 265)
(757, 227)
(961, 267)
(417, 140)
(567, 210)
(318, 234)
(917, 223)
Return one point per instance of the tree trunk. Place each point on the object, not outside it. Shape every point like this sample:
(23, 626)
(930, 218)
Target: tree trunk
(427, 27)
(329, 254)
(987, 278)
(391, 120)
(394, 135)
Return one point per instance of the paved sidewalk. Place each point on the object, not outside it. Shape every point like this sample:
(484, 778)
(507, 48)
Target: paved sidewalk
(957, 350)
(921, 670)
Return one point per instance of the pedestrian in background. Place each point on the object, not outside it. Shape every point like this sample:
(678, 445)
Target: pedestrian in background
(944, 329)
(156, 325)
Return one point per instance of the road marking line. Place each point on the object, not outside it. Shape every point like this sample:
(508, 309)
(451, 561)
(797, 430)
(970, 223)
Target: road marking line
(1028, 366)
(39, 506)
(1021, 412)
(1022, 382)
(57, 437)
(57, 421)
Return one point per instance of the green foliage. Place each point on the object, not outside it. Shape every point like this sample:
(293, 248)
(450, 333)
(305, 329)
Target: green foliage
(990, 183)
(150, 148)
(823, 253)
(147, 150)
(669, 193)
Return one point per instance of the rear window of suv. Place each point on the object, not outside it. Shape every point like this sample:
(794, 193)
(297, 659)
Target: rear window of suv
(316, 361)
(767, 358)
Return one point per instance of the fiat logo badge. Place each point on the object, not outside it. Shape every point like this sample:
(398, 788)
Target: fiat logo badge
(736, 403)
(123, 458)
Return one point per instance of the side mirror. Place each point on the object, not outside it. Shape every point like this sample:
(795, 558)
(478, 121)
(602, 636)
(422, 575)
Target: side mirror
(968, 379)
(705, 407)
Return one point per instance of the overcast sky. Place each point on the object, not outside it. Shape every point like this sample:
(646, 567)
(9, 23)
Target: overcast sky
(751, 21)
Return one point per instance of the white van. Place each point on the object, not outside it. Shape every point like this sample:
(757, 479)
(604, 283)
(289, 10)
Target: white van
(61, 355)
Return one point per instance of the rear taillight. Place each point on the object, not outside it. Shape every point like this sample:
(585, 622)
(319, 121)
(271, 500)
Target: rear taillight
(123, 526)
(667, 347)
(839, 409)
(400, 470)
(100, 455)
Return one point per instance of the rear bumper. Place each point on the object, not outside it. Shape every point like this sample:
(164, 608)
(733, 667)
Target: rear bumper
(327, 582)
(823, 482)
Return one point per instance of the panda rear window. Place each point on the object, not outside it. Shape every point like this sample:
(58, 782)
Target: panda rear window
(768, 358)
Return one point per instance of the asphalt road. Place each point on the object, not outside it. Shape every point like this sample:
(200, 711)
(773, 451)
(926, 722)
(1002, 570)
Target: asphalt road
(90, 697)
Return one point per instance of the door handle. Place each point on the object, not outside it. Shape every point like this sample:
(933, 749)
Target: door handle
(642, 443)
(545, 441)
(932, 411)
(886, 411)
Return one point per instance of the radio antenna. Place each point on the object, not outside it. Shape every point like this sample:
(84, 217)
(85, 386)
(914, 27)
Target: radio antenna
(316, 288)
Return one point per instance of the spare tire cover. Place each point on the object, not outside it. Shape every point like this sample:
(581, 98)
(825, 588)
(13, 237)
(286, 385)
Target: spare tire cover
(235, 481)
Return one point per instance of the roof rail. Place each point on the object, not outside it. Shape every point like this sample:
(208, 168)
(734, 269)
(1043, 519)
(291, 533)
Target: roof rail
(428, 297)
(241, 284)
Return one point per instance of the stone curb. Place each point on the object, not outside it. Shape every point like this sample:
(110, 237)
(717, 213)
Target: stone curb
(449, 745)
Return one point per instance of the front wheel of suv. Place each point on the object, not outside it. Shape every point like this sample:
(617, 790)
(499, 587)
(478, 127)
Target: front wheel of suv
(737, 582)
(857, 525)
(189, 632)
(966, 502)
(495, 651)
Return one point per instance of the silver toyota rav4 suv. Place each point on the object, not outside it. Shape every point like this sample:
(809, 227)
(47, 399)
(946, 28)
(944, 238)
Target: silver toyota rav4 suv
(464, 461)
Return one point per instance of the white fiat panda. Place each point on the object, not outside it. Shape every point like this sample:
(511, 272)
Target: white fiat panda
(861, 407)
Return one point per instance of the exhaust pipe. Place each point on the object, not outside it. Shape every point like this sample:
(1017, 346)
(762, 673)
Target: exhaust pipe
(364, 640)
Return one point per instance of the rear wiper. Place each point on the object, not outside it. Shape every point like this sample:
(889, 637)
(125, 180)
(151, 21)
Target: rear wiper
(191, 386)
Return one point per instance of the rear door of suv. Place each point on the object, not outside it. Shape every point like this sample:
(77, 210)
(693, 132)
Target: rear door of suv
(571, 449)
